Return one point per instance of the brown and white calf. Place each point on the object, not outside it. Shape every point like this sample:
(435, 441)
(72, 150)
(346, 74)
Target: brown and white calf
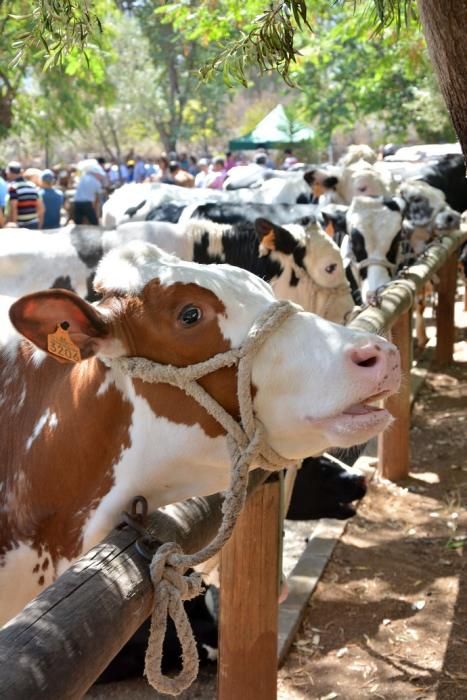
(79, 440)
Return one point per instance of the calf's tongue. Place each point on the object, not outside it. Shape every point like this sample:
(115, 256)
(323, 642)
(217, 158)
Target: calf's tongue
(359, 408)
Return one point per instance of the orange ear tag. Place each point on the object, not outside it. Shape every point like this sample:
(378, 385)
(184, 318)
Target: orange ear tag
(61, 345)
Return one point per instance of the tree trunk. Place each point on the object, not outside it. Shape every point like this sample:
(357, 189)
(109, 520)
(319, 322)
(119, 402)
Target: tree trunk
(444, 26)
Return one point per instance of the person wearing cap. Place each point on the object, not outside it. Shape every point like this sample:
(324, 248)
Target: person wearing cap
(86, 206)
(25, 207)
(52, 199)
(200, 177)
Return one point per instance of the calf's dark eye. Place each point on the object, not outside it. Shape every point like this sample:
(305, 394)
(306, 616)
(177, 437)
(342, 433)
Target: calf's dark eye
(190, 315)
(331, 268)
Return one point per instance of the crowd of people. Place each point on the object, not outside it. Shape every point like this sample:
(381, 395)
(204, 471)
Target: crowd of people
(28, 197)
(36, 199)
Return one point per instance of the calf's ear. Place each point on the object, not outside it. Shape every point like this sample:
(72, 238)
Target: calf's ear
(330, 182)
(309, 177)
(395, 203)
(329, 223)
(273, 237)
(38, 316)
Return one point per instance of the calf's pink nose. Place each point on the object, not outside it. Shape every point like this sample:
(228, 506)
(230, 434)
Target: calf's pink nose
(369, 355)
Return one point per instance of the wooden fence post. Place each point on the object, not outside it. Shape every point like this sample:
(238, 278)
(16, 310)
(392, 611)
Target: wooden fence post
(393, 444)
(445, 311)
(248, 623)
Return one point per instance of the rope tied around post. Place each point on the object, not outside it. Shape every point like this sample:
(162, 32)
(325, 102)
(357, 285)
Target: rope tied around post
(247, 446)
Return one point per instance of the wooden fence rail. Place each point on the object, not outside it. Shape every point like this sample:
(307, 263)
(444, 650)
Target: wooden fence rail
(394, 313)
(61, 642)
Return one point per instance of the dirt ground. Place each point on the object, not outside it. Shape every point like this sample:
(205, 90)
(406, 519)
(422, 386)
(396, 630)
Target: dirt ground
(388, 619)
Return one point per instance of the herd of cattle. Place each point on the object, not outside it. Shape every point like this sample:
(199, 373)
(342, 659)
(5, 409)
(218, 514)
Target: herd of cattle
(80, 440)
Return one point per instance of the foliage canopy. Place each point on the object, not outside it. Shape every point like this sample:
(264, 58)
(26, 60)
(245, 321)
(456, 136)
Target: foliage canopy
(141, 67)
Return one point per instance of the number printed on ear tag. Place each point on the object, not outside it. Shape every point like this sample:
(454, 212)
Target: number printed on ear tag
(61, 345)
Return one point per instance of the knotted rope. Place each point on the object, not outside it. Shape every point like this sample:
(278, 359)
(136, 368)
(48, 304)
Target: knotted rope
(247, 445)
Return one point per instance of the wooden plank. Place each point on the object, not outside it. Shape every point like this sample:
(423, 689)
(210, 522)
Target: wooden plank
(247, 666)
(394, 443)
(445, 312)
(303, 579)
(309, 568)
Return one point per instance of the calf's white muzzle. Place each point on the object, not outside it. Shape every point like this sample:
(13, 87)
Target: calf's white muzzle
(316, 382)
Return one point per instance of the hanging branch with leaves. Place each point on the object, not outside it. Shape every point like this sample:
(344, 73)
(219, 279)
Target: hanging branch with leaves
(269, 44)
(58, 27)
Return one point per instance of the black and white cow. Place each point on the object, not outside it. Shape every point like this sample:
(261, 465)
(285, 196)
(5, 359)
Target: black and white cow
(138, 201)
(426, 214)
(325, 489)
(67, 257)
(448, 175)
(372, 252)
(339, 185)
(234, 213)
(304, 266)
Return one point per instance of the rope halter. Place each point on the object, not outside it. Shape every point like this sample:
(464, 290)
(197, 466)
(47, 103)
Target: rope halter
(247, 446)
(381, 262)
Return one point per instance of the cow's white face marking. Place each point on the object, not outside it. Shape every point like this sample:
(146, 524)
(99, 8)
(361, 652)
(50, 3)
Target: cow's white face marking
(211, 653)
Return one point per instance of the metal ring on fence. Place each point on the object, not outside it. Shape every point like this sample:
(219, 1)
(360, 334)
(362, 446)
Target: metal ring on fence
(137, 519)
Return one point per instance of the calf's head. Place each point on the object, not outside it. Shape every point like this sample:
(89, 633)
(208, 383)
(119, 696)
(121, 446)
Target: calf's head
(313, 381)
(322, 183)
(423, 202)
(426, 214)
(374, 225)
(310, 268)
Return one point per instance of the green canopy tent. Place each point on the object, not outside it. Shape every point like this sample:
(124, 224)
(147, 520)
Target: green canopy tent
(276, 130)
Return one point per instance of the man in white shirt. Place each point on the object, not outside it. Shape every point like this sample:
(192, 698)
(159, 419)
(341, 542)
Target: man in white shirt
(86, 201)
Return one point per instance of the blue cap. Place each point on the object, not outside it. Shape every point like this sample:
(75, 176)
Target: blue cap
(48, 175)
